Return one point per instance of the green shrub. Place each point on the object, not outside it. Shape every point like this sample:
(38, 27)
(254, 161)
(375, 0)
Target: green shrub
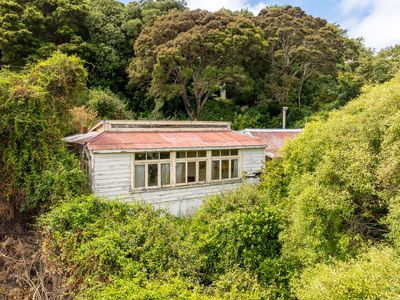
(236, 230)
(373, 275)
(97, 240)
(108, 105)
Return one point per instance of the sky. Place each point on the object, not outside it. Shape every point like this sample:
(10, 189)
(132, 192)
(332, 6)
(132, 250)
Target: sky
(377, 21)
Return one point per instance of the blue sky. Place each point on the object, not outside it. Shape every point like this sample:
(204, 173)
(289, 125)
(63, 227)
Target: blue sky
(377, 21)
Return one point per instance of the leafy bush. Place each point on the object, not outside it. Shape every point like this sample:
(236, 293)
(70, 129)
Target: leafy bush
(34, 109)
(373, 275)
(97, 240)
(339, 178)
(108, 105)
(237, 230)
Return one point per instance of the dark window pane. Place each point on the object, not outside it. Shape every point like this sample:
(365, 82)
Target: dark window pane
(225, 169)
(191, 172)
(225, 152)
(180, 172)
(181, 154)
(202, 170)
(201, 153)
(234, 168)
(152, 175)
(216, 153)
(191, 154)
(165, 174)
(164, 155)
(140, 156)
(153, 155)
(139, 176)
(215, 170)
(234, 152)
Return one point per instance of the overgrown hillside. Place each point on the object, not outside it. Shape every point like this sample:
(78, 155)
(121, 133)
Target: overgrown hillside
(322, 224)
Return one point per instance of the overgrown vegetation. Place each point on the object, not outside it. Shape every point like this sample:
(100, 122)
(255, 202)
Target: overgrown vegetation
(322, 224)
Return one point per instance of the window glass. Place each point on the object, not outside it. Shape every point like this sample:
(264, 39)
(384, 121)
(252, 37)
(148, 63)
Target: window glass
(140, 156)
(181, 154)
(139, 176)
(234, 168)
(215, 170)
(191, 171)
(216, 153)
(225, 152)
(153, 155)
(234, 152)
(225, 169)
(180, 172)
(152, 175)
(191, 154)
(201, 153)
(202, 170)
(165, 174)
(164, 155)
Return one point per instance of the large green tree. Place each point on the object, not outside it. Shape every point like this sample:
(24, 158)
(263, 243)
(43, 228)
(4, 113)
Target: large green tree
(34, 29)
(191, 54)
(113, 28)
(300, 46)
(35, 168)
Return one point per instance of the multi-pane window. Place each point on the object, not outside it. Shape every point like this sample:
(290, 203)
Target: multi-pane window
(163, 169)
(191, 167)
(152, 170)
(224, 165)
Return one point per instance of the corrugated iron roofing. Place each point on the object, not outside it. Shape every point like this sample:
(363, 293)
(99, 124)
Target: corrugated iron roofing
(82, 138)
(171, 140)
(274, 139)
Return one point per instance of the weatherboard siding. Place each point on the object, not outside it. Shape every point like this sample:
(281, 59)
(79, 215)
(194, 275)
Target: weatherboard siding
(112, 179)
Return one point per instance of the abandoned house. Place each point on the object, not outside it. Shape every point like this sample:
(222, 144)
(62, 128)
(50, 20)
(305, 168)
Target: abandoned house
(170, 164)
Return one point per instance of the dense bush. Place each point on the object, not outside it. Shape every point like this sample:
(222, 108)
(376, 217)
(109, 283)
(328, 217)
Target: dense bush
(339, 178)
(229, 248)
(373, 275)
(34, 109)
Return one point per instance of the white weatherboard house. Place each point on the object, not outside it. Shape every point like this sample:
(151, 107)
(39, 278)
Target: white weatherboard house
(170, 164)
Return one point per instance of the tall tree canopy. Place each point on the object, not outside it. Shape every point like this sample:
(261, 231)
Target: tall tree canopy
(192, 54)
(299, 46)
(34, 29)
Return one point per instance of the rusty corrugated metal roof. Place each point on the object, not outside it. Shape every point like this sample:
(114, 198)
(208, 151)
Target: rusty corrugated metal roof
(171, 140)
(273, 138)
(82, 138)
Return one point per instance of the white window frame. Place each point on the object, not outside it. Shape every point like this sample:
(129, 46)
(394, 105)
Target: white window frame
(173, 161)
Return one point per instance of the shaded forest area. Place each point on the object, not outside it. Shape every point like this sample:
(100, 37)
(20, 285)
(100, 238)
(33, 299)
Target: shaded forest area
(158, 59)
(324, 221)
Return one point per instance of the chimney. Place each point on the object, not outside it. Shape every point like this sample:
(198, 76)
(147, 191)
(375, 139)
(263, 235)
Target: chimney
(84, 129)
(284, 109)
(223, 91)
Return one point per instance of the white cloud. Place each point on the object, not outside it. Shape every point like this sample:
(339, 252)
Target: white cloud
(378, 24)
(214, 5)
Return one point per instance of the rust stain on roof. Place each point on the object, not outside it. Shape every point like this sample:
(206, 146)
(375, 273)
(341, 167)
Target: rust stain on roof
(170, 140)
(273, 138)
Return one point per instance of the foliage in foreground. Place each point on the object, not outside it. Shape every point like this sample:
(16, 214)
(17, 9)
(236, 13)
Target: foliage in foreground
(35, 168)
(340, 179)
(116, 248)
(372, 275)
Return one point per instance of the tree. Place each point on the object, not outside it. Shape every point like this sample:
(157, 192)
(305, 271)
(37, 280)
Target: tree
(341, 177)
(299, 46)
(108, 105)
(30, 30)
(192, 54)
(113, 28)
(35, 169)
